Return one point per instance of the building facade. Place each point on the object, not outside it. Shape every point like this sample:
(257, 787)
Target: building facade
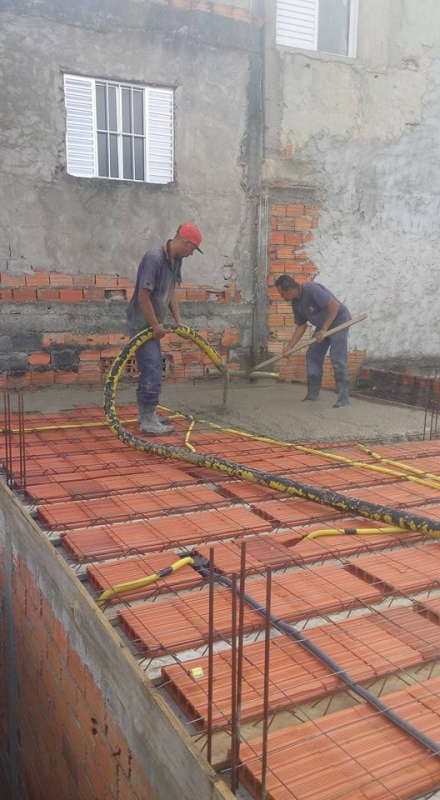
(301, 137)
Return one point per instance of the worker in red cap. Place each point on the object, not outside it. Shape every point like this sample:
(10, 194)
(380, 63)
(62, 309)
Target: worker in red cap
(154, 295)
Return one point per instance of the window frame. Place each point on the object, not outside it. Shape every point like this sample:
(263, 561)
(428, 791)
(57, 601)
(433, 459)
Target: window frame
(352, 33)
(148, 92)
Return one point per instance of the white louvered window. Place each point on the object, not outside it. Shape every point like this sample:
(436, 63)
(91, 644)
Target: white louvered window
(328, 26)
(119, 131)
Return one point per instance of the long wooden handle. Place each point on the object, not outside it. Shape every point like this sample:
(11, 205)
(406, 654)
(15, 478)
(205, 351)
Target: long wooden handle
(308, 342)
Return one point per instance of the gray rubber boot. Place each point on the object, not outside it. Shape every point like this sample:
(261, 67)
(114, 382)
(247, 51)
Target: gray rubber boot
(143, 409)
(313, 387)
(343, 390)
(150, 422)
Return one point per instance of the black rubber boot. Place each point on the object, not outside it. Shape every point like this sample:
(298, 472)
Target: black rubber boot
(313, 387)
(343, 390)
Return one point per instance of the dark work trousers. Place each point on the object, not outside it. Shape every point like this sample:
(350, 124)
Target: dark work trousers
(150, 365)
(338, 352)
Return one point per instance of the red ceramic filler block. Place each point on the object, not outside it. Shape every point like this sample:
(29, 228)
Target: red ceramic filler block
(179, 530)
(355, 753)
(180, 623)
(261, 551)
(119, 483)
(294, 511)
(116, 508)
(107, 576)
(295, 595)
(307, 551)
(368, 647)
(397, 495)
(408, 570)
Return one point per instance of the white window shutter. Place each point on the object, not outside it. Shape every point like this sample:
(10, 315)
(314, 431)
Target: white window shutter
(297, 23)
(80, 124)
(160, 147)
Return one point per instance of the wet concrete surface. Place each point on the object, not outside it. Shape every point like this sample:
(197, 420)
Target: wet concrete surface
(271, 409)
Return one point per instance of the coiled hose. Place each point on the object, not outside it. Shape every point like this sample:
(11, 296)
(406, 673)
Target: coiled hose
(348, 505)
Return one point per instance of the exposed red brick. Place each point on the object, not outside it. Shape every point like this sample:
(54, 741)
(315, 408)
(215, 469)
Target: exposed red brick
(90, 355)
(294, 238)
(221, 9)
(71, 295)
(230, 337)
(278, 210)
(60, 279)
(39, 359)
(295, 210)
(84, 280)
(24, 295)
(201, 5)
(48, 294)
(242, 14)
(42, 378)
(37, 279)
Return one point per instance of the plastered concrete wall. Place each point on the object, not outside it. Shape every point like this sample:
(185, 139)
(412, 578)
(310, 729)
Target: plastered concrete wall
(363, 134)
(54, 221)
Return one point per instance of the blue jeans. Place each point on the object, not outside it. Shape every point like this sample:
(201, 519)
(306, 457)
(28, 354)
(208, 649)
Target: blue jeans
(338, 352)
(150, 366)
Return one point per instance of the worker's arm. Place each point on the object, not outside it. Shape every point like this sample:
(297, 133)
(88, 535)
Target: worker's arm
(173, 305)
(332, 313)
(146, 306)
(297, 335)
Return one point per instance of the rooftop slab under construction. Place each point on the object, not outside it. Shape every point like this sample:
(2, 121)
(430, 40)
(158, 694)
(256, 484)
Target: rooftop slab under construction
(124, 649)
(269, 408)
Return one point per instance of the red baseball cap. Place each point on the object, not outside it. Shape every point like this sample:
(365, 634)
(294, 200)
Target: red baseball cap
(191, 233)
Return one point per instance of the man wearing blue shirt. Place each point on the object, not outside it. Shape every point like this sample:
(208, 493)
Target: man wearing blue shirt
(313, 303)
(154, 295)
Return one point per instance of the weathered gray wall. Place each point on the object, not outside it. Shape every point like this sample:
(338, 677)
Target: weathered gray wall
(363, 133)
(53, 221)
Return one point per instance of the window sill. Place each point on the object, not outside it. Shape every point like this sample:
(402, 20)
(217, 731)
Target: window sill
(115, 182)
(318, 55)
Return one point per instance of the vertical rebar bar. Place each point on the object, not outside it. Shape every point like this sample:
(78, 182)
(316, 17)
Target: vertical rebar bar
(21, 442)
(240, 657)
(234, 686)
(210, 654)
(266, 684)
(431, 408)
(8, 439)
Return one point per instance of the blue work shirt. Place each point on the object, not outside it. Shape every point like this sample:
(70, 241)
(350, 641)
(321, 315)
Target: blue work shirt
(311, 306)
(159, 274)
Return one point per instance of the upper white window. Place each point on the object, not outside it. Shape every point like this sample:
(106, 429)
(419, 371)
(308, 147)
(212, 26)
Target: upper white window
(118, 130)
(329, 26)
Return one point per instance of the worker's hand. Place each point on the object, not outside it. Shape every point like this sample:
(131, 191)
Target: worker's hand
(286, 348)
(159, 332)
(319, 335)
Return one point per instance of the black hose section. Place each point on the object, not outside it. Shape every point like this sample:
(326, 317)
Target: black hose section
(398, 518)
(329, 662)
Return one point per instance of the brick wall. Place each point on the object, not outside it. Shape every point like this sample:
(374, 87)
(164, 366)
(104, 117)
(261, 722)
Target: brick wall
(68, 742)
(403, 387)
(238, 10)
(291, 228)
(79, 719)
(5, 762)
(69, 358)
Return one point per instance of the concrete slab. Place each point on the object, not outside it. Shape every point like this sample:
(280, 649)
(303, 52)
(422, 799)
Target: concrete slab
(272, 409)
